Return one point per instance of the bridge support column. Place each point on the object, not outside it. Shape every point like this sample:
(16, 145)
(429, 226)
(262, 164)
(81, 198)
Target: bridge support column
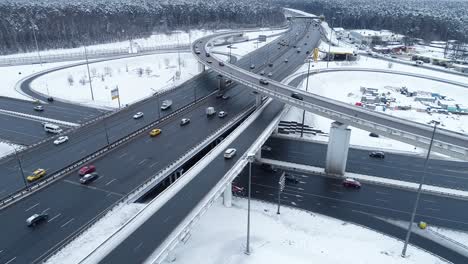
(201, 67)
(337, 151)
(258, 100)
(227, 195)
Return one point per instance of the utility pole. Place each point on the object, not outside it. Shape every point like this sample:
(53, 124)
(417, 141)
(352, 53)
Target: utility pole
(330, 42)
(307, 89)
(423, 176)
(89, 74)
(35, 40)
(250, 158)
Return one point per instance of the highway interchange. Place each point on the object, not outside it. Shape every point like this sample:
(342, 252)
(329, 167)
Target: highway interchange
(78, 204)
(71, 205)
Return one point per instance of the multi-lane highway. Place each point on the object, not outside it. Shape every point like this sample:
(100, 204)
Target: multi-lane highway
(124, 168)
(327, 196)
(447, 142)
(443, 173)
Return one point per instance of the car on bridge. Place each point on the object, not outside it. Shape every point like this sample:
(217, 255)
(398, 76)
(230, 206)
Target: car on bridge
(39, 108)
(138, 115)
(35, 219)
(263, 81)
(184, 121)
(90, 177)
(377, 155)
(60, 140)
(222, 114)
(87, 170)
(297, 96)
(352, 183)
(154, 132)
(37, 174)
(229, 153)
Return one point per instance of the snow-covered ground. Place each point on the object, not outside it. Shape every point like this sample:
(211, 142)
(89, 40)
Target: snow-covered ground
(8, 148)
(345, 86)
(293, 237)
(135, 77)
(459, 236)
(96, 235)
(160, 39)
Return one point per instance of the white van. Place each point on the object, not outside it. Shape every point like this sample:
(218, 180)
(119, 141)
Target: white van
(52, 128)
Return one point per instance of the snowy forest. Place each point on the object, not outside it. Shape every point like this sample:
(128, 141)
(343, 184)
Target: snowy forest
(68, 23)
(425, 19)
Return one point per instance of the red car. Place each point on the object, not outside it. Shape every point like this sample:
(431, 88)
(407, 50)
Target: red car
(238, 191)
(87, 170)
(348, 182)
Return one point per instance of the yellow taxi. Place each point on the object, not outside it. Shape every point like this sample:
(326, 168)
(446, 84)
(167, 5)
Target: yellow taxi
(36, 175)
(155, 132)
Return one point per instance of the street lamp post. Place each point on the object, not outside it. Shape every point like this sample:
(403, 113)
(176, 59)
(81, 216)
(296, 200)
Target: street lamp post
(423, 176)
(89, 74)
(307, 88)
(330, 42)
(20, 167)
(250, 158)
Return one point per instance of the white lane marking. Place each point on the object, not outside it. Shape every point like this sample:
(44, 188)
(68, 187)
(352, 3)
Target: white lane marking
(1, 251)
(45, 211)
(149, 140)
(31, 207)
(154, 164)
(334, 206)
(94, 188)
(382, 200)
(122, 155)
(379, 192)
(52, 219)
(428, 201)
(141, 162)
(111, 181)
(337, 192)
(432, 209)
(10, 260)
(137, 247)
(69, 221)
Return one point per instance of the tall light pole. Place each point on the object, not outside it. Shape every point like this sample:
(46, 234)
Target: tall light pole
(20, 167)
(329, 44)
(423, 176)
(89, 74)
(35, 40)
(307, 88)
(250, 158)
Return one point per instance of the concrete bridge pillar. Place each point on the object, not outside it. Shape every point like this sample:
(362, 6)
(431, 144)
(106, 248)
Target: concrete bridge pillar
(337, 151)
(227, 195)
(201, 67)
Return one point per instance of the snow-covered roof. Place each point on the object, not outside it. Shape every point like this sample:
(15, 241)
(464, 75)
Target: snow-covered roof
(341, 50)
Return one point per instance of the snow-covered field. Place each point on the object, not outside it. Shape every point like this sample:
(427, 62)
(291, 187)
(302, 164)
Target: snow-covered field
(345, 86)
(8, 148)
(135, 77)
(293, 237)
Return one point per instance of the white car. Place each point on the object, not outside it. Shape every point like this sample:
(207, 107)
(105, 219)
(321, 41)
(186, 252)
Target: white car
(138, 115)
(229, 153)
(61, 140)
(222, 114)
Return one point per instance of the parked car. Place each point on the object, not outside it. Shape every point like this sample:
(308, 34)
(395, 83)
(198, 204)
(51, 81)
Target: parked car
(229, 153)
(87, 170)
(207, 54)
(90, 177)
(50, 99)
(197, 51)
(352, 183)
(184, 121)
(222, 114)
(37, 174)
(252, 66)
(270, 64)
(266, 148)
(209, 61)
(270, 74)
(286, 60)
(36, 219)
(264, 82)
(262, 73)
(238, 191)
(377, 154)
(268, 167)
(61, 140)
(373, 135)
(221, 63)
(154, 132)
(138, 115)
(297, 96)
(39, 108)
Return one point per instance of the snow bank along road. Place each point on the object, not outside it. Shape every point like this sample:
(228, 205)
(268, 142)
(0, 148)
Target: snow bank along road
(71, 206)
(446, 142)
